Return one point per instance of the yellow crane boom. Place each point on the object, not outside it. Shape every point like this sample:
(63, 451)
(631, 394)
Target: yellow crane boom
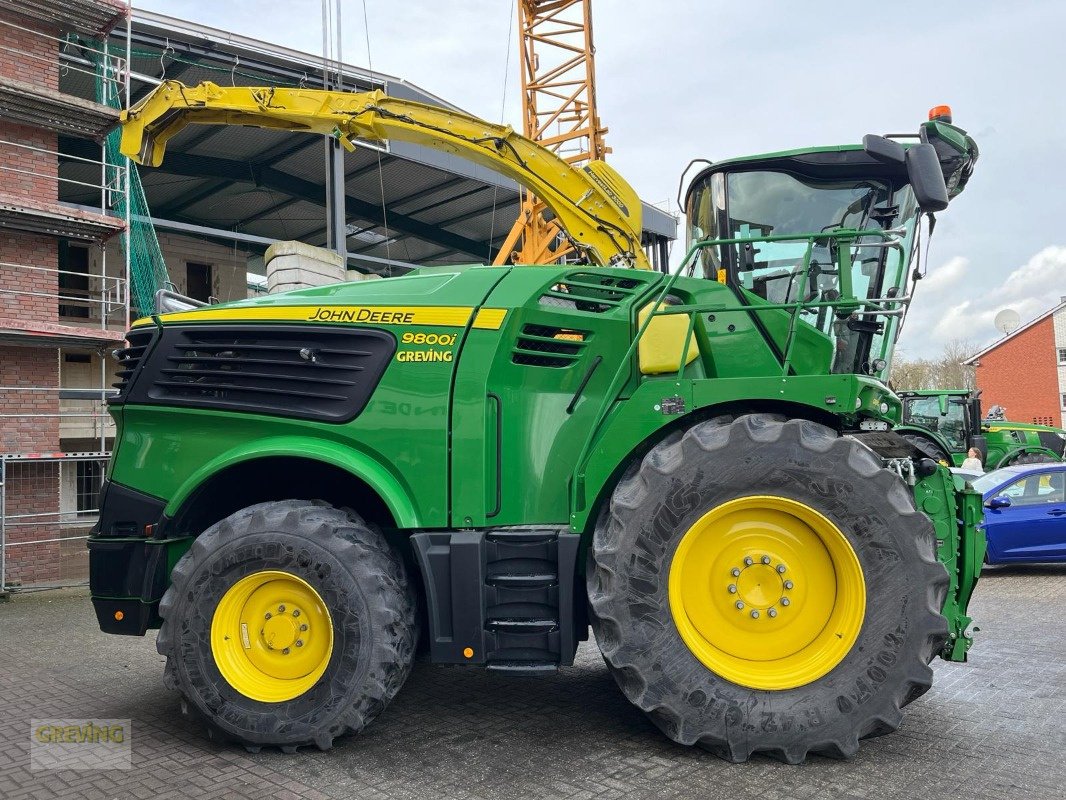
(596, 208)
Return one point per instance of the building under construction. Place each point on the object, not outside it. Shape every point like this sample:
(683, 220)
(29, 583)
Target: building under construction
(87, 241)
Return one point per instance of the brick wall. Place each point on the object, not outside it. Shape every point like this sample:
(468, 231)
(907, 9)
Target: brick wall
(1022, 376)
(30, 367)
(19, 250)
(31, 505)
(25, 172)
(27, 57)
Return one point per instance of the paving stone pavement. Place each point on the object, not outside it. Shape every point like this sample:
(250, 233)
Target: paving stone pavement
(993, 728)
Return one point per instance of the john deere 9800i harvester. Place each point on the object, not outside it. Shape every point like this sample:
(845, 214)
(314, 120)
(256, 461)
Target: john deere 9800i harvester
(701, 465)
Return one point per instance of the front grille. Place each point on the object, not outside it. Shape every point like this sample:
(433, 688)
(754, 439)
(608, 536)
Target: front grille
(129, 358)
(322, 373)
(549, 346)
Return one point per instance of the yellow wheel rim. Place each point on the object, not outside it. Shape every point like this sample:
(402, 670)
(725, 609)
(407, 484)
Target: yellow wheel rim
(767, 592)
(271, 636)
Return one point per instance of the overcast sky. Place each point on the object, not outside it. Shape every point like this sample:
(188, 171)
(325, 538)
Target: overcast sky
(679, 79)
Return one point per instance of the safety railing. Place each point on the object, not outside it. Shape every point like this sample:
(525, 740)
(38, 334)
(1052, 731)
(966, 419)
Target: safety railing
(112, 181)
(841, 239)
(71, 53)
(48, 504)
(78, 296)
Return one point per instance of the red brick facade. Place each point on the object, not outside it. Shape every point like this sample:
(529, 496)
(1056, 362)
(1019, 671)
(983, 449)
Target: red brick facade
(29, 58)
(28, 294)
(1021, 374)
(29, 375)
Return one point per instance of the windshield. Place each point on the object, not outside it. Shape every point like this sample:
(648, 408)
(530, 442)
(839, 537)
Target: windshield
(925, 413)
(762, 203)
(990, 480)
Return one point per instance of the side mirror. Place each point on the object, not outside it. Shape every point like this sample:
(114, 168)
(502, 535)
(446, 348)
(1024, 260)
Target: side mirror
(926, 178)
(883, 149)
(999, 501)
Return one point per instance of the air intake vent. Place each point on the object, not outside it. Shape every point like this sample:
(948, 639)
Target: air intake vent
(129, 358)
(291, 371)
(585, 291)
(548, 346)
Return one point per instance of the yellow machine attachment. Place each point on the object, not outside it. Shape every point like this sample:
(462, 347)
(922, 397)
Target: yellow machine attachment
(599, 212)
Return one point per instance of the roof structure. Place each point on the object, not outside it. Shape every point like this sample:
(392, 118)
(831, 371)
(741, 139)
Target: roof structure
(405, 203)
(972, 360)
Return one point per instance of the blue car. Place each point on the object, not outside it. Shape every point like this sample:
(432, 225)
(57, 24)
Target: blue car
(1025, 513)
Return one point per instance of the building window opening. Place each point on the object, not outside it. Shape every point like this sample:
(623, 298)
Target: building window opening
(198, 281)
(88, 480)
(73, 281)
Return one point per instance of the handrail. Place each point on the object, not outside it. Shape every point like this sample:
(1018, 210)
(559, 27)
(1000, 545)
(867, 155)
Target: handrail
(889, 238)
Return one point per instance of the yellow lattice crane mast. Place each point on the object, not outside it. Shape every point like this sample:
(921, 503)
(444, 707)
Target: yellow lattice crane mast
(558, 112)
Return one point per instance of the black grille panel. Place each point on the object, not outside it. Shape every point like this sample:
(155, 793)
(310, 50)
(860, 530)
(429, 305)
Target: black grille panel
(549, 346)
(590, 292)
(129, 359)
(310, 372)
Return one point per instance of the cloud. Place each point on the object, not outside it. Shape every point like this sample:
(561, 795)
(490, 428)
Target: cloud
(950, 304)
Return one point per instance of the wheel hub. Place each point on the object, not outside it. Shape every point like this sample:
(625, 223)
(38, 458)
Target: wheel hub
(760, 586)
(767, 592)
(271, 636)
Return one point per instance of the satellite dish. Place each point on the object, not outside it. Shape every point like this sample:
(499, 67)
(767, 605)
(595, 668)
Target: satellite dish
(1007, 320)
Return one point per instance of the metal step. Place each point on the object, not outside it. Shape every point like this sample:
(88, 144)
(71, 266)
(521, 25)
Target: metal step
(520, 626)
(522, 669)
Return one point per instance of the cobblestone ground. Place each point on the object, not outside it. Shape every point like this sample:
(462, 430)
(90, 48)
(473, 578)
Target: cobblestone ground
(993, 728)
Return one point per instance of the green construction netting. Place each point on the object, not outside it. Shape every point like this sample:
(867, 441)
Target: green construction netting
(148, 271)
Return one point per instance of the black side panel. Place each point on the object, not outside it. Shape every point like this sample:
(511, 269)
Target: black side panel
(506, 597)
(316, 372)
(125, 512)
(1051, 441)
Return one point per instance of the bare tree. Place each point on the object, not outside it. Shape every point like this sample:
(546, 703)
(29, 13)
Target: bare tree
(944, 372)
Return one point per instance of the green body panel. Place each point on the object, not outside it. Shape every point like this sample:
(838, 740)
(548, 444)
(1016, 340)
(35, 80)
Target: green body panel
(956, 512)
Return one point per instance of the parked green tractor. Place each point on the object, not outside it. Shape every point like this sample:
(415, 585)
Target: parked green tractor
(700, 464)
(945, 423)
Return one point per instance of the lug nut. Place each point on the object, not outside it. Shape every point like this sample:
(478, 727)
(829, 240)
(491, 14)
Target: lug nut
(732, 588)
(303, 627)
(766, 559)
(785, 601)
(772, 612)
(285, 651)
(740, 605)
(748, 561)
(299, 642)
(281, 609)
(268, 615)
(789, 584)
(735, 572)
(296, 612)
(754, 614)
(781, 568)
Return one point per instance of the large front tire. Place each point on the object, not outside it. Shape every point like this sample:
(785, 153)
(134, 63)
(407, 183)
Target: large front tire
(288, 623)
(766, 586)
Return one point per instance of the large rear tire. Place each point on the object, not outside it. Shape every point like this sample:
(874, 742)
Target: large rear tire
(766, 586)
(288, 624)
(929, 448)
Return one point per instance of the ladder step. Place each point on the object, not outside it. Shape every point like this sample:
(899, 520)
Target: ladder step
(523, 580)
(522, 625)
(520, 668)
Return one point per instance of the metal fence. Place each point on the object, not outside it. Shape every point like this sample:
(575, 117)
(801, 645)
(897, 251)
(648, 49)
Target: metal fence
(48, 503)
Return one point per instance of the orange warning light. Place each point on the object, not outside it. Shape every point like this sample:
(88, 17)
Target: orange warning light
(119, 616)
(940, 113)
(468, 652)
